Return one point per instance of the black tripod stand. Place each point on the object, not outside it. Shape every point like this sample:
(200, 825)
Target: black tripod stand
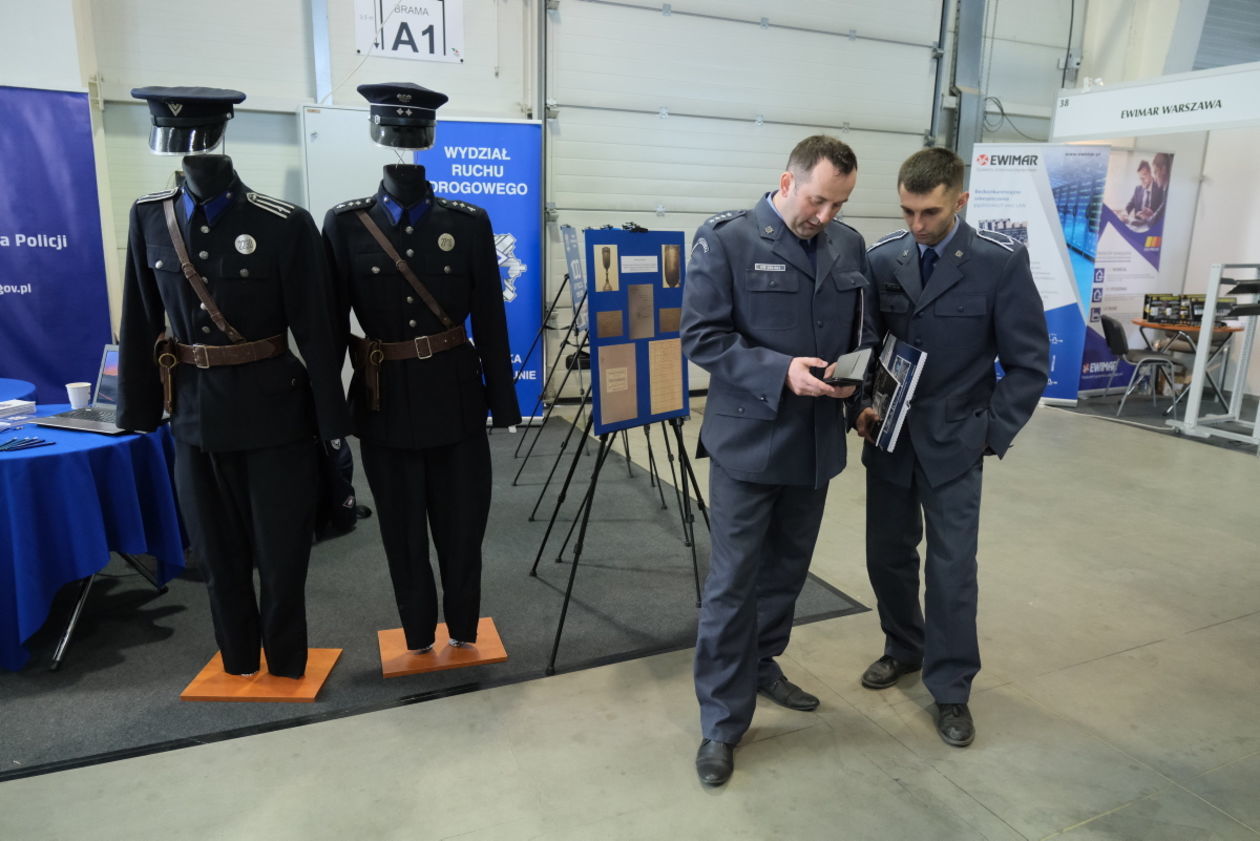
(583, 515)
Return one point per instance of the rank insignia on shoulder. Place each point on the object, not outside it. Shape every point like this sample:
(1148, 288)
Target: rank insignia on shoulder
(272, 205)
(998, 239)
(355, 204)
(461, 206)
(722, 218)
(893, 237)
(158, 196)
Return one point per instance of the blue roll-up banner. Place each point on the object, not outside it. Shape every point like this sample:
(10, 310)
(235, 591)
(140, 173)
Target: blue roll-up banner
(638, 370)
(1047, 196)
(54, 305)
(1130, 239)
(498, 166)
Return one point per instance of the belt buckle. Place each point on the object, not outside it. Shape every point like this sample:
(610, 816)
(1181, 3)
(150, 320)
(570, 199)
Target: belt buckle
(201, 356)
(428, 345)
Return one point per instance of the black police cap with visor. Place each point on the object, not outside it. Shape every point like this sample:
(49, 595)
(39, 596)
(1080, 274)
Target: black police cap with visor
(403, 114)
(187, 120)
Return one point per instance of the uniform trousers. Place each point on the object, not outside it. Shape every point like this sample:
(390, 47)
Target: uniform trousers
(763, 537)
(943, 635)
(449, 487)
(245, 510)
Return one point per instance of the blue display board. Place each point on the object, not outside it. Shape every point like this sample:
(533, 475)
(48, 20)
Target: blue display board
(635, 281)
(54, 306)
(498, 166)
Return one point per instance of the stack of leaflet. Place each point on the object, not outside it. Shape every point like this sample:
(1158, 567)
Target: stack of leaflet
(8, 408)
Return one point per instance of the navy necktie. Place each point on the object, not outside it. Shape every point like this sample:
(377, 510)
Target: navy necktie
(927, 263)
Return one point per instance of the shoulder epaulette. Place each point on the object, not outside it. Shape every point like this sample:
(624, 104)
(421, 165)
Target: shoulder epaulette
(999, 239)
(461, 206)
(272, 205)
(721, 218)
(158, 196)
(893, 237)
(355, 204)
(845, 225)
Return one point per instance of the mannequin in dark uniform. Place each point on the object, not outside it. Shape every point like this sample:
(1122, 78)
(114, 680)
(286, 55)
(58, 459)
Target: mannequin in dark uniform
(420, 409)
(245, 413)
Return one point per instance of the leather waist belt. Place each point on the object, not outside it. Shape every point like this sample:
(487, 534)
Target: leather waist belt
(168, 353)
(367, 355)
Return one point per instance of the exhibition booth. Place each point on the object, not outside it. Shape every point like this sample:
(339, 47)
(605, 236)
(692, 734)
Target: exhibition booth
(1116, 229)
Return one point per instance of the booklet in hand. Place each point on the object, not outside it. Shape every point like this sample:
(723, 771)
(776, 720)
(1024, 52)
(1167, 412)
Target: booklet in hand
(850, 369)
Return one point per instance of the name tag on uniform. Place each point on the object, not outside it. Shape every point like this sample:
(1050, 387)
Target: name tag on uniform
(769, 267)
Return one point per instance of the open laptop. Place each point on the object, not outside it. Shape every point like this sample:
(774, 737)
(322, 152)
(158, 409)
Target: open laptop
(100, 416)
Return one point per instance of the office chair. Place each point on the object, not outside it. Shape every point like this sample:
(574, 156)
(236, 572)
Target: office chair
(1156, 362)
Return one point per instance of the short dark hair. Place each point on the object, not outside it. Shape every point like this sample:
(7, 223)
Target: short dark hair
(813, 149)
(926, 169)
(1144, 166)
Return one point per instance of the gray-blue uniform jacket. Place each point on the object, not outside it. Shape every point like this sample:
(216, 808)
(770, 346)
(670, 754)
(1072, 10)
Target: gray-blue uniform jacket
(980, 303)
(752, 302)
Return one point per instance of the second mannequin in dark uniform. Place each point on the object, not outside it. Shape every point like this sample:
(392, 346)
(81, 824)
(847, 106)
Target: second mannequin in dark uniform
(420, 411)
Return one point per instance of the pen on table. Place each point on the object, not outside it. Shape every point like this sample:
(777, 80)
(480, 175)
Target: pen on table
(22, 444)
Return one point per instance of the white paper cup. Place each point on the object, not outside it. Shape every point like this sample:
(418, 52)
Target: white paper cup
(80, 394)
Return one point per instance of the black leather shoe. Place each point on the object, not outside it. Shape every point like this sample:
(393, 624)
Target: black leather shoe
(885, 671)
(787, 694)
(715, 761)
(953, 722)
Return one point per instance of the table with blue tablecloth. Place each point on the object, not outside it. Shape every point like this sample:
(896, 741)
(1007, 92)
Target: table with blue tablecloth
(67, 506)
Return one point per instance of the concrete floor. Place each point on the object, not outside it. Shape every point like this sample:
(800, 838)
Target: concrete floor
(1120, 624)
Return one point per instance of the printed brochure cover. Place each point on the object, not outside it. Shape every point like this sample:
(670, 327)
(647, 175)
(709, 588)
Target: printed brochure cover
(893, 388)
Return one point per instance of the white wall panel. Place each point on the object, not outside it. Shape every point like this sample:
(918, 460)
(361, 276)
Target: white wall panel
(906, 20)
(38, 47)
(613, 56)
(494, 79)
(263, 49)
(624, 161)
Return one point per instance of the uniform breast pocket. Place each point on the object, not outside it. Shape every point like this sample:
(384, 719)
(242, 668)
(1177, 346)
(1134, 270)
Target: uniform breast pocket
(963, 319)
(243, 267)
(771, 300)
(162, 259)
(372, 266)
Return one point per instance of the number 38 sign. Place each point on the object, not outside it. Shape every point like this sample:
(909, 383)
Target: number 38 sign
(427, 30)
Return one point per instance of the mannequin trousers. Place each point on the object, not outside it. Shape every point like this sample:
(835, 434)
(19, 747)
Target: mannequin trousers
(444, 491)
(246, 511)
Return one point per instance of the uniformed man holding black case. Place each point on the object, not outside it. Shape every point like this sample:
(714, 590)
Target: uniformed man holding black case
(233, 272)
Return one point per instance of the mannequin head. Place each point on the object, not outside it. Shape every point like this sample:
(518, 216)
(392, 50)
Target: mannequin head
(187, 121)
(403, 114)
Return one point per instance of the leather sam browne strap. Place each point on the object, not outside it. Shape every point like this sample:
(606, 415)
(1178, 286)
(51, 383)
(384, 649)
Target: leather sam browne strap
(195, 280)
(168, 353)
(401, 265)
(368, 354)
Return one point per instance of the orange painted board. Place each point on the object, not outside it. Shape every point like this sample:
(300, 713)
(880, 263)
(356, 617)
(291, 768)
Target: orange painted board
(397, 660)
(214, 684)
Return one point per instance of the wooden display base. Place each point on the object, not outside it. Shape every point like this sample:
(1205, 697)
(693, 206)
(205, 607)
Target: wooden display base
(397, 660)
(214, 684)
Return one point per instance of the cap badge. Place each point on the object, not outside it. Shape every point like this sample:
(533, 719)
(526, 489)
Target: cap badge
(404, 98)
(446, 242)
(246, 244)
(175, 107)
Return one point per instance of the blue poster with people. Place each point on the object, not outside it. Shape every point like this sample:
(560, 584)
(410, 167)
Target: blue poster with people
(54, 305)
(498, 166)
